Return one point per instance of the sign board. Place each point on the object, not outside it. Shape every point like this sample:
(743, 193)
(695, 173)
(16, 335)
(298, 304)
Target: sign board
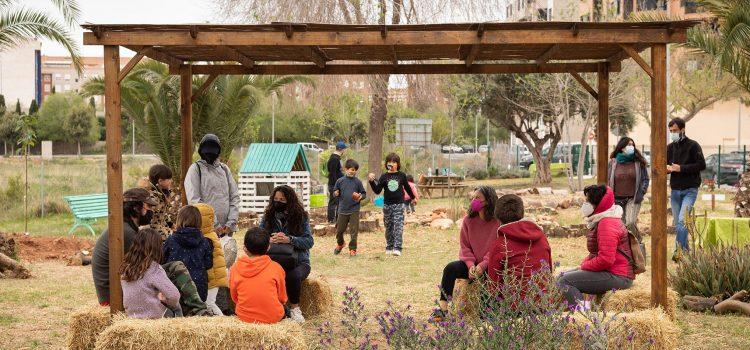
(413, 132)
(720, 197)
(46, 150)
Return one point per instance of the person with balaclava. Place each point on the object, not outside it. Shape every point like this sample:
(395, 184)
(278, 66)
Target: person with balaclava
(210, 181)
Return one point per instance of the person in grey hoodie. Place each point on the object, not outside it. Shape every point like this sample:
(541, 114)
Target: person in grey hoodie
(210, 181)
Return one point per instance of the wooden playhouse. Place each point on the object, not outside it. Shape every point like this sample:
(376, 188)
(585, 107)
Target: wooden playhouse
(268, 165)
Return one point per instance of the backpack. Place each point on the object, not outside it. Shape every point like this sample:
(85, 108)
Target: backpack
(637, 255)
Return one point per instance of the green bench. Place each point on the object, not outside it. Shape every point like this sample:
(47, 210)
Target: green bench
(86, 209)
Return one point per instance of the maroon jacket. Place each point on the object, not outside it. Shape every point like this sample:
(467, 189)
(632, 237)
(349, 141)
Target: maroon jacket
(522, 248)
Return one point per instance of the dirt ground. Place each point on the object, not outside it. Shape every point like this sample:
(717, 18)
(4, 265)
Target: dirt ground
(34, 249)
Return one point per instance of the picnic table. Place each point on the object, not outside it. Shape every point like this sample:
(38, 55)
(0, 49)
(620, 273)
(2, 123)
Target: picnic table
(450, 183)
(724, 231)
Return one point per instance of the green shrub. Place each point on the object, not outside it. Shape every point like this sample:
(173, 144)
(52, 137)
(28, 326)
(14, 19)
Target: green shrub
(51, 207)
(12, 194)
(479, 174)
(492, 172)
(713, 271)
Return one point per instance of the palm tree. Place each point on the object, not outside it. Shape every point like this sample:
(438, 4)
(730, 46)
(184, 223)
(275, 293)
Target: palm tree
(150, 96)
(19, 24)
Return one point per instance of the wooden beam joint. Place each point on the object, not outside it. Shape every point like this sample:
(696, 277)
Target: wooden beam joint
(480, 30)
(206, 84)
(585, 85)
(471, 56)
(547, 54)
(384, 31)
(574, 29)
(132, 63)
(194, 32)
(631, 51)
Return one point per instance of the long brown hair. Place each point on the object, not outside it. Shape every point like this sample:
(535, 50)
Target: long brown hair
(295, 212)
(145, 250)
(188, 216)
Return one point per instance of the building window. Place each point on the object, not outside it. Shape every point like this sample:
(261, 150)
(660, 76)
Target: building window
(67, 77)
(47, 88)
(58, 76)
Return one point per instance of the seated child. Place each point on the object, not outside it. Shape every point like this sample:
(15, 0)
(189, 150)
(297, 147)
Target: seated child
(188, 245)
(521, 247)
(147, 292)
(256, 283)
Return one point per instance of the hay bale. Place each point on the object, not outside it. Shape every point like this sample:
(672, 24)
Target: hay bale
(466, 298)
(635, 299)
(86, 325)
(316, 297)
(200, 333)
(650, 329)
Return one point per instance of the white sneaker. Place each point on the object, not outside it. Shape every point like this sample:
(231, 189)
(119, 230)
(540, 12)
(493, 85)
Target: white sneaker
(296, 315)
(388, 252)
(397, 253)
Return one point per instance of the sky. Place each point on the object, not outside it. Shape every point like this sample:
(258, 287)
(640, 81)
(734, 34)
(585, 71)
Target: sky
(125, 11)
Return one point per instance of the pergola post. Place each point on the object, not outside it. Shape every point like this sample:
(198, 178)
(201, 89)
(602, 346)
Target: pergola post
(659, 176)
(114, 173)
(602, 125)
(186, 129)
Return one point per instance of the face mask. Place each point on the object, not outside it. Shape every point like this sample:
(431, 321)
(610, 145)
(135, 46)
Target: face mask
(476, 205)
(210, 158)
(674, 136)
(279, 206)
(390, 167)
(146, 219)
(587, 209)
(629, 150)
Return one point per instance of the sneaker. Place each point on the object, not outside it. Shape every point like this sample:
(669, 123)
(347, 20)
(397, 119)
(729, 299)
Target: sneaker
(438, 315)
(338, 249)
(397, 253)
(352, 253)
(296, 315)
(388, 252)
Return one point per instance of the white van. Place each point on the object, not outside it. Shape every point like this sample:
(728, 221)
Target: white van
(309, 146)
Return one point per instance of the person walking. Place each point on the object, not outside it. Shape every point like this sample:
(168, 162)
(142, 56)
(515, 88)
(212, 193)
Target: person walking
(684, 164)
(627, 175)
(334, 173)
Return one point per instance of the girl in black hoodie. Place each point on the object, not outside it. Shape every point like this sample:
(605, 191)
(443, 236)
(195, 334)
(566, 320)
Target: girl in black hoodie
(188, 245)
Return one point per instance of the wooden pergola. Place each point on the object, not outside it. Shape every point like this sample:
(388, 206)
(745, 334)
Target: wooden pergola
(468, 48)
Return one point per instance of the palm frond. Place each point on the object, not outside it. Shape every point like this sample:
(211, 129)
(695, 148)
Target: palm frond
(70, 10)
(20, 25)
(652, 16)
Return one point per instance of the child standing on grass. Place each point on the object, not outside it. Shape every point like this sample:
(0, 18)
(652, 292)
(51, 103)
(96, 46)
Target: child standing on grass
(147, 292)
(350, 192)
(410, 203)
(256, 283)
(188, 245)
(393, 184)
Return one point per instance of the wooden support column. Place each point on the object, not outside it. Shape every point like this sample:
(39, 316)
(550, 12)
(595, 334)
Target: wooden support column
(659, 176)
(114, 173)
(602, 124)
(186, 125)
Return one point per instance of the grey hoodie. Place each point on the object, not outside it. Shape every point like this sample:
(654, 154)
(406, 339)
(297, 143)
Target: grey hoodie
(214, 185)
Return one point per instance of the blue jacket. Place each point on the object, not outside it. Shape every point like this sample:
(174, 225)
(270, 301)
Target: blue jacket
(188, 245)
(301, 241)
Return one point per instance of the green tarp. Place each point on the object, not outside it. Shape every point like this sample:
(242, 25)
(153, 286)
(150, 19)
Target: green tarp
(723, 231)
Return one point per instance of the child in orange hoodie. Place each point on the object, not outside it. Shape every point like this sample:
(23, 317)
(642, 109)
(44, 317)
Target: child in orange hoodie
(256, 283)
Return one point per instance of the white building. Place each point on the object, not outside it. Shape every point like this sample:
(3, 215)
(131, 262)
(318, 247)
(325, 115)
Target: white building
(20, 74)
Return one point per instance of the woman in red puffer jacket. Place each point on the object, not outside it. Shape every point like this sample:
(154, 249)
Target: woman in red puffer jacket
(607, 266)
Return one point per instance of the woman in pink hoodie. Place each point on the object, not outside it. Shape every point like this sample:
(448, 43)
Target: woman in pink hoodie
(478, 233)
(607, 266)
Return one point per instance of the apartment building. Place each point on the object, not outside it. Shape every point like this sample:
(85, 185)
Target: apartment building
(596, 10)
(59, 75)
(19, 74)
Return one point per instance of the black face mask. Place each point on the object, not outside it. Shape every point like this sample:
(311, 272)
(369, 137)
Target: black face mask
(279, 206)
(210, 158)
(144, 220)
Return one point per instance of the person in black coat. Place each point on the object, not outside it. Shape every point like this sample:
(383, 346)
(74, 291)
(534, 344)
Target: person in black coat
(188, 245)
(335, 172)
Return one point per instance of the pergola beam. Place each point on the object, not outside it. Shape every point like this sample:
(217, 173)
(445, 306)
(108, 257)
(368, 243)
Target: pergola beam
(186, 129)
(131, 64)
(203, 87)
(235, 55)
(369, 38)
(308, 69)
(630, 51)
(602, 124)
(547, 54)
(659, 176)
(585, 85)
(156, 54)
(472, 55)
(316, 56)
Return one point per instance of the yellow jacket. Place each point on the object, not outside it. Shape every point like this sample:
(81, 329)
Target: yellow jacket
(217, 275)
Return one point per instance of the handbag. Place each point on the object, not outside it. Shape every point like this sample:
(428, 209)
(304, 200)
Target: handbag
(284, 254)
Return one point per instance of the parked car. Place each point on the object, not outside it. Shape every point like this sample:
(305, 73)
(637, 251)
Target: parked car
(309, 146)
(483, 148)
(451, 149)
(561, 152)
(731, 168)
(467, 148)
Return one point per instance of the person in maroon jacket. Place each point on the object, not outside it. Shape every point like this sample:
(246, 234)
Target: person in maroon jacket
(607, 266)
(521, 248)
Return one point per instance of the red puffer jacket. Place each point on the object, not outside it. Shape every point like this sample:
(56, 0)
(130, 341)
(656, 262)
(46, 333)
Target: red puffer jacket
(604, 241)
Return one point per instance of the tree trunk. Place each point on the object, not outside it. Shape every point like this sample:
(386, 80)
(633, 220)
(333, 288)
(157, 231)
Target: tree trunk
(79, 149)
(378, 112)
(12, 268)
(26, 193)
(582, 153)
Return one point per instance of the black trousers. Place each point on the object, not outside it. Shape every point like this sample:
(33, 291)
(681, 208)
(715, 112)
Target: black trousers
(451, 273)
(333, 204)
(294, 278)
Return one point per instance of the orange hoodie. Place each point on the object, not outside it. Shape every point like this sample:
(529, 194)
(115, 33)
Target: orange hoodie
(257, 287)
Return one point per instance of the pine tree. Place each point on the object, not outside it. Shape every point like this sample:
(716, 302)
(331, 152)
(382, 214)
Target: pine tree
(33, 107)
(92, 102)
(18, 106)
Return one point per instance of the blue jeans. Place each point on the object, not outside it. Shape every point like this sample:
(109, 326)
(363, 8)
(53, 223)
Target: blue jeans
(682, 204)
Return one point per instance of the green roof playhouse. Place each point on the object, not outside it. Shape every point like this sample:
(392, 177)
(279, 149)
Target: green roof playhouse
(268, 165)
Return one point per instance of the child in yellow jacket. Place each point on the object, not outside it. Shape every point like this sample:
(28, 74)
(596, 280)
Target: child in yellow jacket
(217, 275)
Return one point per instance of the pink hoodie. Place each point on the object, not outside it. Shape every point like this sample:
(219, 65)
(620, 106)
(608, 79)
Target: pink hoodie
(477, 237)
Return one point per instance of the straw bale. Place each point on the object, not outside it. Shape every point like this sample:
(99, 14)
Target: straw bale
(635, 299)
(650, 329)
(86, 325)
(316, 298)
(200, 332)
